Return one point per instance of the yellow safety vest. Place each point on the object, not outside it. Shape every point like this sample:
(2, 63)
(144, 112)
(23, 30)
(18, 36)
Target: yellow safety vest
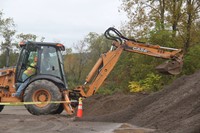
(30, 70)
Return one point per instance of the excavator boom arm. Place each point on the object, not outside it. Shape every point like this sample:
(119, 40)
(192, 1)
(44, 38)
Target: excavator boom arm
(108, 60)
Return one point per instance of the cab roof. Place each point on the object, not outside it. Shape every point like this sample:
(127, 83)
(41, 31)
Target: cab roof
(38, 44)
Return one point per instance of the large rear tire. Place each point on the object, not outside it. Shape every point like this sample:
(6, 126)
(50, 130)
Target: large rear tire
(42, 91)
(1, 107)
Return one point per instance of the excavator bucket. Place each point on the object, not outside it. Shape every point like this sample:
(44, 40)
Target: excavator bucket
(172, 67)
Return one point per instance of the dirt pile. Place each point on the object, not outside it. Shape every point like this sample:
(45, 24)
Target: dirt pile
(174, 109)
(100, 105)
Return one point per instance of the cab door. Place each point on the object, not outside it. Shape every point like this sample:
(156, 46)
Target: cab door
(27, 55)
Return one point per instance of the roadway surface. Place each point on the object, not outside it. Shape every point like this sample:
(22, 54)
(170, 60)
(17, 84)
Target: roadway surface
(16, 119)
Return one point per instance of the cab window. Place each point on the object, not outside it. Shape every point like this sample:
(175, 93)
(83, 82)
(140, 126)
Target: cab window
(49, 61)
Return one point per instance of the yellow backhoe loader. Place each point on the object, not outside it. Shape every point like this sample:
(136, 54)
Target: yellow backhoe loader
(45, 91)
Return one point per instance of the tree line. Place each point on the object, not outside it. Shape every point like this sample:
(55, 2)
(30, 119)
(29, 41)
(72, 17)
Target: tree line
(170, 23)
(9, 40)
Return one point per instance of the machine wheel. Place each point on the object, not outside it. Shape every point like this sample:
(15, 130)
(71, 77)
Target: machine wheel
(42, 91)
(1, 107)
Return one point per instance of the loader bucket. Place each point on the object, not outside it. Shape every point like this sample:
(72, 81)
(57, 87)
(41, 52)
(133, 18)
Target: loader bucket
(172, 67)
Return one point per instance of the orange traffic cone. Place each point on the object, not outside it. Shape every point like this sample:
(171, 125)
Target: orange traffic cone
(80, 108)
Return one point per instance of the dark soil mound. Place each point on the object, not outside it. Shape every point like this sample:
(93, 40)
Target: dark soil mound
(175, 109)
(100, 105)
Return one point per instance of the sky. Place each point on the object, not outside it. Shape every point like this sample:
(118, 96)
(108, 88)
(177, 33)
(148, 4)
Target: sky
(65, 21)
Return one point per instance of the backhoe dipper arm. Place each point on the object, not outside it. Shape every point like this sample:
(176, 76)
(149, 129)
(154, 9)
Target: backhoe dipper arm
(151, 50)
(108, 60)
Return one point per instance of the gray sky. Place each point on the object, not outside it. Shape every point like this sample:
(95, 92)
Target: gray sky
(67, 21)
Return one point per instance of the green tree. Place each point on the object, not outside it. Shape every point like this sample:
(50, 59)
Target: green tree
(192, 15)
(26, 37)
(143, 15)
(75, 64)
(181, 15)
(97, 45)
(191, 60)
(174, 7)
(7, 31)
(81, 48)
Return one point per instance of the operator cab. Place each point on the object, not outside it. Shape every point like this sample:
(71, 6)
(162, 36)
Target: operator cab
(48, 59)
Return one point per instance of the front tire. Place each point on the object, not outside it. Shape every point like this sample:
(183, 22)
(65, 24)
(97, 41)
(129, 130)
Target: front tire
(42, 91)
